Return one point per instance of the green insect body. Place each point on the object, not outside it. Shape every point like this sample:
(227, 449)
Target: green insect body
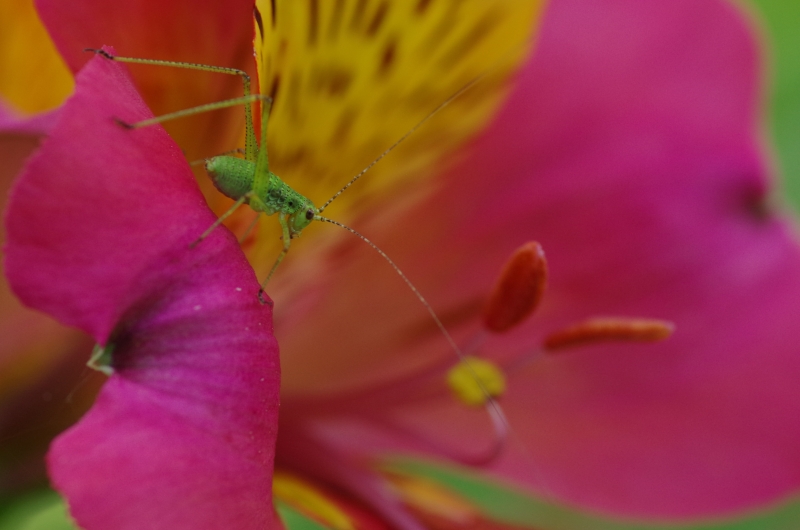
(250, 181)
(236, 178)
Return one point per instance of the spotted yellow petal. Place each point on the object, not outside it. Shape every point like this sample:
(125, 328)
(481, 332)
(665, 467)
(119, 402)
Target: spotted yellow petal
(350, 77)
(33, 77)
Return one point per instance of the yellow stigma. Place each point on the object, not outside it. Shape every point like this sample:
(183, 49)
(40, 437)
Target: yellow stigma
(474, 380)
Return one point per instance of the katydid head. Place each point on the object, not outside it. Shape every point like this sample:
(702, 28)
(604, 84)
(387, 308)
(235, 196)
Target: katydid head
(303, 216)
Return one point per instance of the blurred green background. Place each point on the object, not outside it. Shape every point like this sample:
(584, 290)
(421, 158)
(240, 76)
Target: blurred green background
(781, 24)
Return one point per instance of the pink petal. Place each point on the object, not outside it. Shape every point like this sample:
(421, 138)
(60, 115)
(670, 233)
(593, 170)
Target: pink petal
(99, 226)
(630, 150)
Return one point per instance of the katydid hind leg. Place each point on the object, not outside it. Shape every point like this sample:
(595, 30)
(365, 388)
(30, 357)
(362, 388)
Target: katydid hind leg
(251, 145)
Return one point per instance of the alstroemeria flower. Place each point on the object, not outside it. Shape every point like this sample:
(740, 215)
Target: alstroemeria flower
(629, 148)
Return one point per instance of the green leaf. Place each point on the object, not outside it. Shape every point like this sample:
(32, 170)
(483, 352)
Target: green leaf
(42, 510)
(781, 20)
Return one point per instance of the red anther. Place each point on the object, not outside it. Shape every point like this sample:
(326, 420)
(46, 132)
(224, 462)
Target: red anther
(609, 329)
(518, 290)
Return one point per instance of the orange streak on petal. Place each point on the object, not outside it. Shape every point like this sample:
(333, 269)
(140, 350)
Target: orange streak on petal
(428, 497)
(609, 329)
(310, 500)
(518, 290)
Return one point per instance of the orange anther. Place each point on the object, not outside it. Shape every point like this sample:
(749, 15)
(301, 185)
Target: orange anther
(609, 329)
(518, 290)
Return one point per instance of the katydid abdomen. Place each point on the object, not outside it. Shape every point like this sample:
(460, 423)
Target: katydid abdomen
(236, 179)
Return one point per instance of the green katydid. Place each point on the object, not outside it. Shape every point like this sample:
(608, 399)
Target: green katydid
(249, 181)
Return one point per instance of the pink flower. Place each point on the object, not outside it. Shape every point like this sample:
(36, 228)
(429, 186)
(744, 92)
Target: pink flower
(629, 149)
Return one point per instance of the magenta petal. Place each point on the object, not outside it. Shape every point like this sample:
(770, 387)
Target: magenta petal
(99, 227)
(631, 151)
(103, 216)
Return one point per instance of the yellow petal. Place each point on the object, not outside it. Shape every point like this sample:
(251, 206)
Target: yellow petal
(350, 77)
(33, 77)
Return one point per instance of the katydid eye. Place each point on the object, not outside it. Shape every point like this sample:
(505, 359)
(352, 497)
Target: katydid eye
(309, 214)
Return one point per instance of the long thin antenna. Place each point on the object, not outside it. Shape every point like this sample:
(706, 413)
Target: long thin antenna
(411, 131)
(405, 279)
(499, 420)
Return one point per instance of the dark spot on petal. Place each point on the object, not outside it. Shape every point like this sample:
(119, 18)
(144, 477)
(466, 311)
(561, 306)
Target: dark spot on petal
(273, 91)
(387, 58)
(336, 20)
(343, 128)
(422, 5)
(358, 14)
(259, 21)
(378, 19)
(332, 81)
(313, 21)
